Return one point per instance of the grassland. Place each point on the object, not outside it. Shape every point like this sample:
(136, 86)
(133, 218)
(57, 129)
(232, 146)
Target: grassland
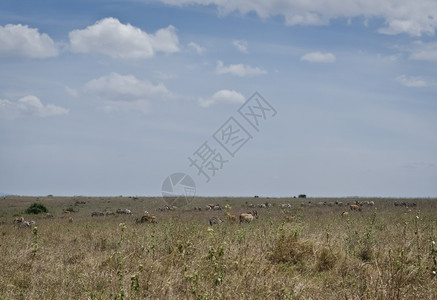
(382, 252)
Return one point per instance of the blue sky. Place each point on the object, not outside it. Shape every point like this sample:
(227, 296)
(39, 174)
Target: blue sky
(111, 97)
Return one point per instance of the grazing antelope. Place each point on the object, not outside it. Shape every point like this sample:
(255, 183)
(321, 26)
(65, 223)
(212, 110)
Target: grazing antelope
(344, 214)
(147, 219)
(248, 217)
(97, 213)
(70, 220)
(214, 220)
(24, 224)
(19, 220)
(110, 213)
(355, 207)
(124, 211)
(232, 218)
(289, 218)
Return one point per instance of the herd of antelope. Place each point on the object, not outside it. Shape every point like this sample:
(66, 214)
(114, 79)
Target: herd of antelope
(244, 217)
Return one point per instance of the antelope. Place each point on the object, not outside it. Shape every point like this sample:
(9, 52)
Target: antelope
(355, 207)
(110, 213)
(70, 220)
(147, 219)
(344, 214)
(19, 220)
(97, 213)
(232, 218)
(214, 220)
(289, 218)
(248, 217)
(124, 211)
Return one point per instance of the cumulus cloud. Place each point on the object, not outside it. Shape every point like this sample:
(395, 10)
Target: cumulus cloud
(197, 48)
(28, 106)
(241, 45)
(238, 70)
(20, 40)
(318, 57)
(110, 37)
(115, 86)
(411, 81)
(222, 96)
(401, 16)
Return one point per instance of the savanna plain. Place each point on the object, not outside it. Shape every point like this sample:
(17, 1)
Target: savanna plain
(309, 249)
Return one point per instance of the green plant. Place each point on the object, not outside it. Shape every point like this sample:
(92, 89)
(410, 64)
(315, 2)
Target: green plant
(36, 208)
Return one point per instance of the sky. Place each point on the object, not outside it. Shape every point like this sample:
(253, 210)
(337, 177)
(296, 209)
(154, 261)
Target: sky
(270, 98)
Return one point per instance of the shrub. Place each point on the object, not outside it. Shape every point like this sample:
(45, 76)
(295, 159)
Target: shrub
(36, 208)
(327, 259)
(302, 196)
(291, 249)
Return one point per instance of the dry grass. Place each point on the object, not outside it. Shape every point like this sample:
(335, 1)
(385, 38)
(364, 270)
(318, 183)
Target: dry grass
(383, 252)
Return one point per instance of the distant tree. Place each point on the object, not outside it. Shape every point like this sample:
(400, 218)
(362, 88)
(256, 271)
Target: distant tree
(36, 208)
(302, 196)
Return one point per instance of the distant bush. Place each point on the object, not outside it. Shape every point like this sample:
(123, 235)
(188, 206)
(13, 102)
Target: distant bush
(302, 196)
(291, 249)
(36, 208)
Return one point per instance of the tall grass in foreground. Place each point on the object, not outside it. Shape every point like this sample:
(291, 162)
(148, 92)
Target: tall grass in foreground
(383, 253)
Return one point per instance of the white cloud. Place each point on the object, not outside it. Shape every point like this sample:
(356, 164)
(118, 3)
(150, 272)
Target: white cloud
(401, 16)
(241, 45)
(28, 106)
(411, 81)
(110, 37)
(197, 48)
(20, 40)
(319, 57)
(70, 91)
(160, 75)
(238, 70)
(123, 106)
(222, 96)
(424, 51)
(125, 87)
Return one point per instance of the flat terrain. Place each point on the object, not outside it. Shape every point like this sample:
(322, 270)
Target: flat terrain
(381, 252)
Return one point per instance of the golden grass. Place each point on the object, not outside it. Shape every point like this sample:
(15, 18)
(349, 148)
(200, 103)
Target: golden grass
(383, 252)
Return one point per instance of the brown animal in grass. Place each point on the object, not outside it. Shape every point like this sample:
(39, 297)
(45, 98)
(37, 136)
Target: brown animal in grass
(289, 218)
(344, 214)
(248, 217)
(148, 219)
(355, 207)
(232, 218)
